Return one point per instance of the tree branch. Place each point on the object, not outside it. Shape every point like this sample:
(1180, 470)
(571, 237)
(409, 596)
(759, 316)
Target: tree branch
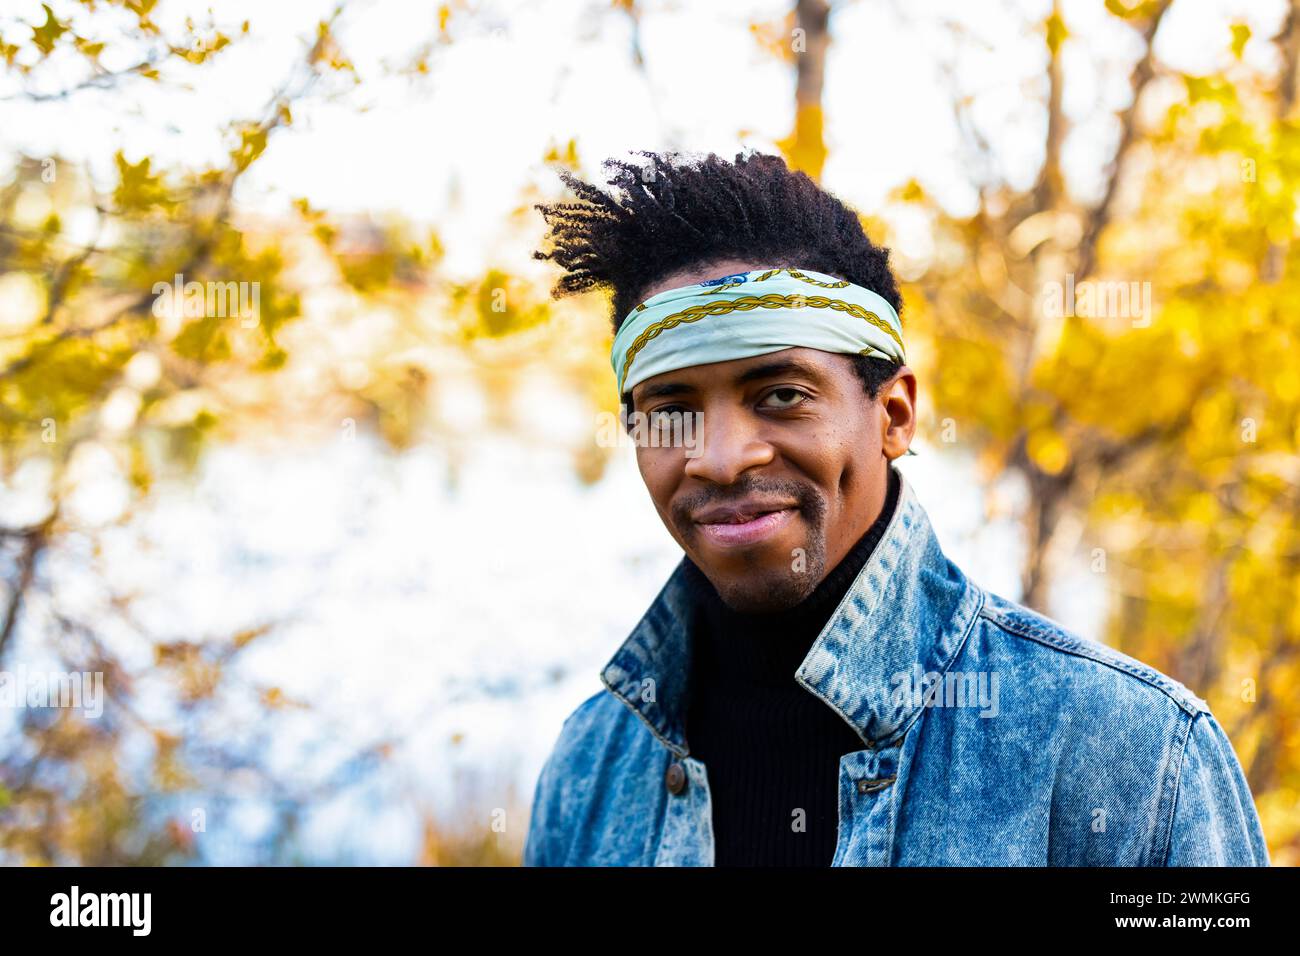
(1100, 216)
(33, 540)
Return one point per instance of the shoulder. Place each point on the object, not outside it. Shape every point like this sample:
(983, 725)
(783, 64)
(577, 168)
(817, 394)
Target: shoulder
(1121, 728)
(598, 721)
(598, 731)
(1030, 635)
(589, 729)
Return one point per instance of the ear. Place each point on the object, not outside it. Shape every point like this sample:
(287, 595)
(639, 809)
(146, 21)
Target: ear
(898, 419)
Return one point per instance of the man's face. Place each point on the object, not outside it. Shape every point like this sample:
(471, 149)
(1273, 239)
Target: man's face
(790, 469)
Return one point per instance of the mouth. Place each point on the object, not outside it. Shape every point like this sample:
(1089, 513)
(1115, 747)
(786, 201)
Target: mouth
(734, 530)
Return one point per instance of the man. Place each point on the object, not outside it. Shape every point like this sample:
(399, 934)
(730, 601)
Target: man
(817, 684)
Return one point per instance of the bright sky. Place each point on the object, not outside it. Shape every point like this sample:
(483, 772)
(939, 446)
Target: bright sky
(457, 146)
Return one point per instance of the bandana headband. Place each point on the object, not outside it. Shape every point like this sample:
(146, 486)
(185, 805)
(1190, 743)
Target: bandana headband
(752, 313)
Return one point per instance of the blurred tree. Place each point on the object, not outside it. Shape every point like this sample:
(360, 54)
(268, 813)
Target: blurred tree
(129, 347)
(805, 148)
(1131, 357)
(116, 356)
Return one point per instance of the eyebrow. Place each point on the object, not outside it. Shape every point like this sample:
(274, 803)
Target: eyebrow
(779, 367)
(766, 370)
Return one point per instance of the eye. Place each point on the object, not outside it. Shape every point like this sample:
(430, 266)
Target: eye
(666, 417)
(785, 398)
(657, 414)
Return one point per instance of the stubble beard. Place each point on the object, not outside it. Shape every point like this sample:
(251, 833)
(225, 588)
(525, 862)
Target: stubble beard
(765, 589)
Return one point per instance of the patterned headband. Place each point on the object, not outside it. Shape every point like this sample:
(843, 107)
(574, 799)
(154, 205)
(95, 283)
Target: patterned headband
(752, 313)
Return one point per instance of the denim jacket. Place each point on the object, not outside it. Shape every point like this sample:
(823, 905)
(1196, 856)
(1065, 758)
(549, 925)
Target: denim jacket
(991, 736)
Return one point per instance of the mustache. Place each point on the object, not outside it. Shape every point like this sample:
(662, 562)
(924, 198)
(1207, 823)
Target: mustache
(811, 503)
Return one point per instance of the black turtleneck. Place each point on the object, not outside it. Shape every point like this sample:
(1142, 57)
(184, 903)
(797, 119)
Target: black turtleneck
(770, 748)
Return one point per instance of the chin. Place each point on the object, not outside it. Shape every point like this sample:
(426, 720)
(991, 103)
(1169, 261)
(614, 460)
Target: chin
(756, 592)
(760, 577)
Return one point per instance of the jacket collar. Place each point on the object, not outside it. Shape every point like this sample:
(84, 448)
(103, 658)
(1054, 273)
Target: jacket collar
(909, 608)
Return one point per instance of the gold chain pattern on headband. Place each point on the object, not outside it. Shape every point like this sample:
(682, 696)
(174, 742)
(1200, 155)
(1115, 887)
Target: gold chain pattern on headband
(794, 274)
(748, 303)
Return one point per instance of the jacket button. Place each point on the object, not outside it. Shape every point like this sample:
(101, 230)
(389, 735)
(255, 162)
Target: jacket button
(675, 778)
(864, 786)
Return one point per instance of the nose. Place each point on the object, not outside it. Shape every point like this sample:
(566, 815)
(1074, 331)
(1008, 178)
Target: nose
(730, 444)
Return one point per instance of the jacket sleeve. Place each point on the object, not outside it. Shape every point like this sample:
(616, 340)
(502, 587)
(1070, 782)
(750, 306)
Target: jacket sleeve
(538, 845)
(1214, 820)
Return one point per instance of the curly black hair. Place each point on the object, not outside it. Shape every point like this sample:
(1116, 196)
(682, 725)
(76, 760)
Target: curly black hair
(678, 213)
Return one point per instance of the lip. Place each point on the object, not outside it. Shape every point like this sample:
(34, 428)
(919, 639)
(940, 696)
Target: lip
(742, 533)
(740, 511)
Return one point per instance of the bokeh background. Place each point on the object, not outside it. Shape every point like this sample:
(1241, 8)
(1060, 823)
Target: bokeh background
(347, 567)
